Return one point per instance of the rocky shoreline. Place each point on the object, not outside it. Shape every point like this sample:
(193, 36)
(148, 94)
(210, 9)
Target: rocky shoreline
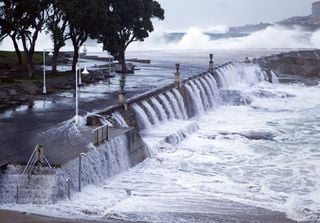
(304, 63)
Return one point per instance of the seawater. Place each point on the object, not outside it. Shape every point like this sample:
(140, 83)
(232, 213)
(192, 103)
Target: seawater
(264, 154)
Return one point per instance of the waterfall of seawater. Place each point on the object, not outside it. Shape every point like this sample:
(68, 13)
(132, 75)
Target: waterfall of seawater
(167, 106)
(151, 112)
(119, 119)
(107, 160)
(143, 120)
(238, 76)
(214, 91)
(180, 101)
(159, 109)
(203, 94)
(174, 103)
(197, 96)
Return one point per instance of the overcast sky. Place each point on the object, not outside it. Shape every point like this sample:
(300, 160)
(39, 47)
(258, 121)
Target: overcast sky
(182, 14)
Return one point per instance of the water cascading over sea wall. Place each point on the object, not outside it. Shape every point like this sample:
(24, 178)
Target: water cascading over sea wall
(196, 95)
(179, 102)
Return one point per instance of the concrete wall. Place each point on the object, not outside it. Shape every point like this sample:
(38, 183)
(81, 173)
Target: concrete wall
(108, 159)
(40, 188)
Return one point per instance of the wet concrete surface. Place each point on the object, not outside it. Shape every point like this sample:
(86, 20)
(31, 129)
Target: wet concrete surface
(223, 211)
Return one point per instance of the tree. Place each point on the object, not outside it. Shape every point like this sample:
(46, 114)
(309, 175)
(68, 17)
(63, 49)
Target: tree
(85, 18)
(129, 21)
(33, 20)
(57, 27)
(10, 20)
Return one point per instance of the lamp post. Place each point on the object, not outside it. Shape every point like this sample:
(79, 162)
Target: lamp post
(84, 72)
(44, 91)
(84, 53)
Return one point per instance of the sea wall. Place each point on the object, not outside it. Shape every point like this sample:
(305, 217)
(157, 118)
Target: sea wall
(47, 186)
(128, 113)
(39, 188)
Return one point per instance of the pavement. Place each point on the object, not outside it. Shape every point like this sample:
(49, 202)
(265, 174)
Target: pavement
(223, 211)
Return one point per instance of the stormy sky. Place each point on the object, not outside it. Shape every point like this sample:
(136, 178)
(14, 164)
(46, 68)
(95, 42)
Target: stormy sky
(182, 14)
(196, 16)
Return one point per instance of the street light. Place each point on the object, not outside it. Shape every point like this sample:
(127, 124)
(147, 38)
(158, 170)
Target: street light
(85, 72)
(84, 53)
(44, 91)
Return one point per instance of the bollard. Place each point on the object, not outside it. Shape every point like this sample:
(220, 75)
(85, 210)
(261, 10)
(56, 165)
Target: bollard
(17, 195)
(122, 93)
(107, 133)
(177, 80)
(211, 64)
(68, 181)
(80, 165)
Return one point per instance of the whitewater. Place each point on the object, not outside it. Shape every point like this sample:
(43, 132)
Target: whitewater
(262, 153)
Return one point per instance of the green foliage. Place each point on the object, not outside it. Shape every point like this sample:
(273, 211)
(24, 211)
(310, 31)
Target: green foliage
(23, 21)
(129, 20)
(85, 18)
(115, 23)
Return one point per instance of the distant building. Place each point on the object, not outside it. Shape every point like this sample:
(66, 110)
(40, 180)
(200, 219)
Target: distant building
(311, 22)
(316, 9)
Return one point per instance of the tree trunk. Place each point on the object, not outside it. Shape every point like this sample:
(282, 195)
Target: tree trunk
(54, 62)
(30, 65)
(122, 60)
(17, 50)
(75, 58)
(30, 51)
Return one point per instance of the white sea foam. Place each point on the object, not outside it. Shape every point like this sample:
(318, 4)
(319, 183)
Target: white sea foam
(264, 154)
(196, 39)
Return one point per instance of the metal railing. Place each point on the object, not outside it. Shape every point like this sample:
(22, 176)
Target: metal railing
(37, 157)
(100, 134)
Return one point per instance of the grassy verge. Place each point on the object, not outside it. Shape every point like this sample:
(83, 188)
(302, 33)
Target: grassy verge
(12, 56)
(39, 76)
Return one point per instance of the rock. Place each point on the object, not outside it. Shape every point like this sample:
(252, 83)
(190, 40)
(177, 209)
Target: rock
(252, 135)
(233, 97)
(304, 63)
